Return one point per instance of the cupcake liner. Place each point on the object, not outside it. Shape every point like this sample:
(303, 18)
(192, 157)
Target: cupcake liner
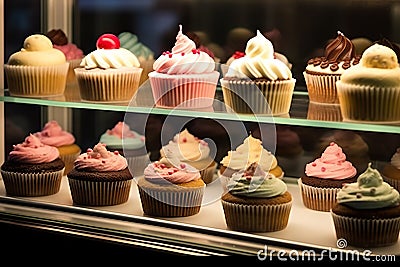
(137, 164)
(322, 88)
(147, 66)
(111, 85)
(369, 104)
(316, 198)
(367, 232)
(256, 218)
(184, 91)
(395, 183)
(324, 112)
(36, 81)
(69, 161)
(172, 201)
(73, 64)
(101, 193)
(207, 174)
(32, 184)
(244, 96)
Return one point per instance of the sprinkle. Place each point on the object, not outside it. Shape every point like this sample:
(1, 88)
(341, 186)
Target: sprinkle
(183, 53)
(170, 172)
(331, 143)
(162, 165)
(182, 165)
(359, 195)
(184, 139)
(103, 161)
(89, 150)
(373, 191)
(170, 55)
(116, 152)
(323, 169)
(313, 164)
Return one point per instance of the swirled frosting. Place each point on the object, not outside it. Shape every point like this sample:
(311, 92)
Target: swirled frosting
(259, 62)
(60, 42)
(163, 171)
(184, 58)
(53, 135)
(37, 51)
(378, 67)
(187, 148)
(254, 182)
(395, 160)
(339, 55)
(331, 165)
(131, 42)
(251, 150)
(369, 192)
(100, 159)
(121, 136)
(33, 151)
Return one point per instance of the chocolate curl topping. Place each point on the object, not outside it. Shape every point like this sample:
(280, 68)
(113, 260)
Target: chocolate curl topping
(340, 49)
(251, 169)
(57, 37)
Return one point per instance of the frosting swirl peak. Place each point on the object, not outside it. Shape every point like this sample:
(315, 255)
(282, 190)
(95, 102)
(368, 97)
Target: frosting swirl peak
(52, 134)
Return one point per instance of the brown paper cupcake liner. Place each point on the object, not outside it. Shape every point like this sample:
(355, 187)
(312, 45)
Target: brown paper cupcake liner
(395, 183)
(36, 81)
(366, 232)
(32, 184)
(195, 91)
(322, 88)
(207, 174)
(256, 218)
(246, 96)
(315, 198)
(369, 104)
(108, 85)
(92, 193)
(171, 203)
(324, 112)
(147, 66)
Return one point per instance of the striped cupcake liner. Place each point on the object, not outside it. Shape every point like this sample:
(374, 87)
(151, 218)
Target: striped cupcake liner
(322, 88)
(315, 198)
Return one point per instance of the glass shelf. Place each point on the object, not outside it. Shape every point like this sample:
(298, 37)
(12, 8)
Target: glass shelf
(300, 113)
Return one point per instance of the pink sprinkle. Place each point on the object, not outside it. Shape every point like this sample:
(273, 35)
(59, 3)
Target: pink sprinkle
(103, 161)
(116, 152)
(323, 169)
(89, 150)
(183, 53)
(331, 143)
(184, 139)
(162, 165)
(170, 55)
(170, 172)
(183, 165)
(313, 164)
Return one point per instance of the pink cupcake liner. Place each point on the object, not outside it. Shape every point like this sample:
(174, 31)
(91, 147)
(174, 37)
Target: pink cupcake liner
(315, 198)
(36, 81)
(322, 88)
(369, 104)
(101, 193)
(256, 218)
(184, 91)
(244, 96)
(116, 85)
(32, 184)
(324, 112)
(366, 232)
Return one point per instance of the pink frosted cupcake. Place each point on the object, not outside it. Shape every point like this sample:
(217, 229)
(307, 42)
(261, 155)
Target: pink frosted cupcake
(110, 73)
(53, 135)
(185, 77)
(38, 70)
(32, 169)
(324, 177)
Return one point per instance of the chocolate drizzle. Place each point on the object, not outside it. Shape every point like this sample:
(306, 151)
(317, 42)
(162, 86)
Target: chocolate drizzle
(57, 37)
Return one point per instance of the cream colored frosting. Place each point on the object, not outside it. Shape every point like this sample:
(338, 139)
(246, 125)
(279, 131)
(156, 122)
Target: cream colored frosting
(259, 62)
(251, 150)
(378, 67)
(37, 51)
(110, 59)
(395, 160)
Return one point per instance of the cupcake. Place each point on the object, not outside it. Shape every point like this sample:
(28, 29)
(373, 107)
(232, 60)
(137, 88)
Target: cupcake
(323, 112)
(129, 144)
(100, 178)
(144, 54)
(166, 190)
(250, 151)
(72, 52)
(32, 169)
(369, 92)
(37, 70)
(110, 73)
(324, 177)
(391, 170)
(367, 213)
(256, 201)
(191, 150)
(53, 135)
(258, 82)
(185, 77)
(321, 73)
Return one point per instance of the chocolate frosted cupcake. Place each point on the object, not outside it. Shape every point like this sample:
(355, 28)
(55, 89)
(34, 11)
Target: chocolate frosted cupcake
(321, 73)
(32, 169)
(391, 170)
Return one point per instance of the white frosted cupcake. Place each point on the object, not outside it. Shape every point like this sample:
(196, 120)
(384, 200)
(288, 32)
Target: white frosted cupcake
(38, 70)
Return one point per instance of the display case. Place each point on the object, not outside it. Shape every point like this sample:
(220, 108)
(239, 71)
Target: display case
(125, 227)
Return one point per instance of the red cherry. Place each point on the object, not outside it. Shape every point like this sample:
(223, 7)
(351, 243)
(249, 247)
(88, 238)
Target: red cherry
(108, 41)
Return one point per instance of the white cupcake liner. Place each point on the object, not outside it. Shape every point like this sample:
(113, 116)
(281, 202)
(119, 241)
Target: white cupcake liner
(32, 184)
(69, 161)
(36, 81)
(366, 232)
(111, 85)
(322, 88)
(193, 91)
(73, 64)
(99, 193)
(369, 104)
(137, 164)
(324, 112)
(256, 218)
(246, 96)
(315, 198)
